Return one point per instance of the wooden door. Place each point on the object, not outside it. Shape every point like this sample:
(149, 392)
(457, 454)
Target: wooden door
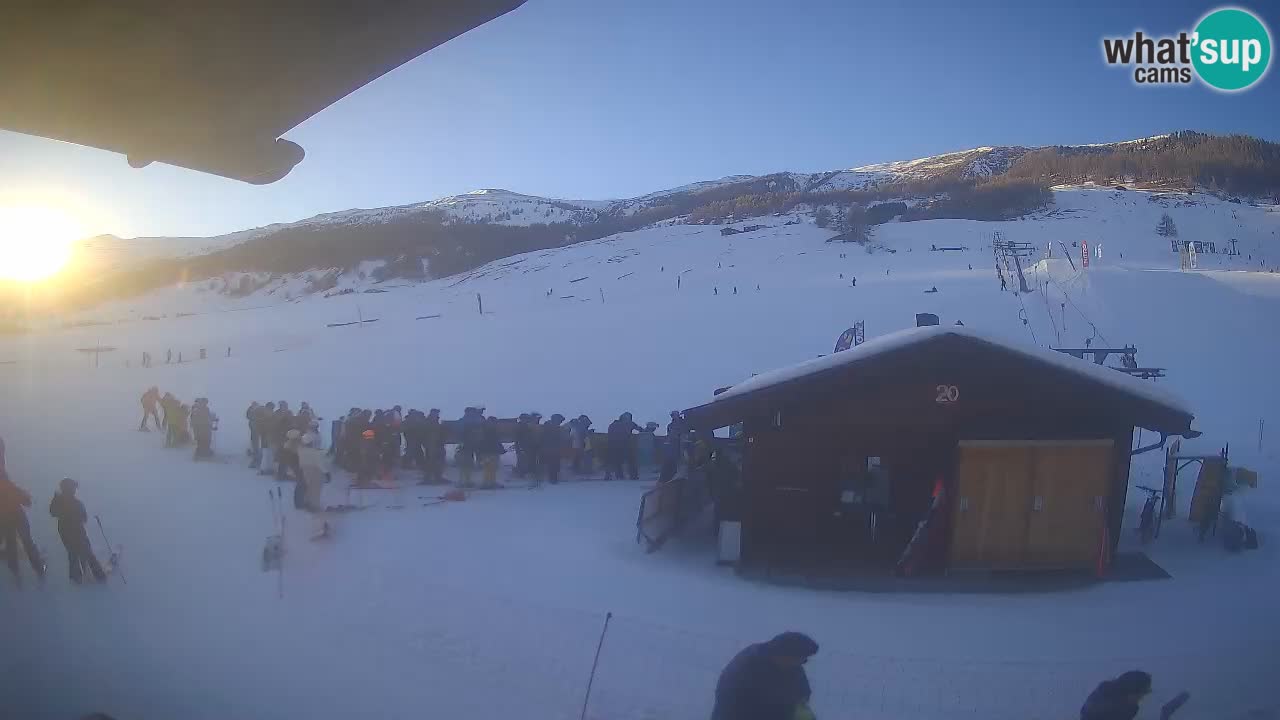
(993, 496)
(1071, 485)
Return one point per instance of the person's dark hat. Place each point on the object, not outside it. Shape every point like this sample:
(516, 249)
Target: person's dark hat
(792, 644)
(1134, 682)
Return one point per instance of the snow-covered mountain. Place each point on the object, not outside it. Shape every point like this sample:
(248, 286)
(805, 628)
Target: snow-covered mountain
(504, 207)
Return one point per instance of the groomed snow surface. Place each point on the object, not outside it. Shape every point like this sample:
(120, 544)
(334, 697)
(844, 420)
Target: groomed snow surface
(492, 608)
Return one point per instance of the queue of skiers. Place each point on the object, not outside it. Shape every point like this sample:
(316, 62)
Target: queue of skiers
(70, 513)
(181, 423)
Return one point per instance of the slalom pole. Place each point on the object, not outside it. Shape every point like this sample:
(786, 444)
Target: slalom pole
(594, 664)
(116, 564)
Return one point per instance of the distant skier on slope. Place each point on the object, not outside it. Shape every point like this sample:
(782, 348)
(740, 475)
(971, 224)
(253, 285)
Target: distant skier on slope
(71, 515)
(767, 681)
(150, 408)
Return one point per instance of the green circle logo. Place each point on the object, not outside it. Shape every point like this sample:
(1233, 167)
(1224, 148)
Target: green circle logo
(1232, 49)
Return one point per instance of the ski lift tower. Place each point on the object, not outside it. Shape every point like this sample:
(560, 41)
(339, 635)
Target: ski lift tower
(1015, 252)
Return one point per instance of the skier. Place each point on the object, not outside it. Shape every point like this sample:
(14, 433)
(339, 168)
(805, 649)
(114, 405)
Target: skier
(579, 430)
(366, 459)
(14, 527)
(551, 445)
(489, 451)
(315, 473)
(180, 427)
(412, 429)
(677, 429)
(1117, 699)
(282, 422)
(621, 449)
(255, 442)
(469, 429)
(523, 436)
(202, 424)
(71, 515)
(535, 444)
(766, 681)
(266, 435)
(287, 463)
(150, 403)
(433, 445)
(169, 404)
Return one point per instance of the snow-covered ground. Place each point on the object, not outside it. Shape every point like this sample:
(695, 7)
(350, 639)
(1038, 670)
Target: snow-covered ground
(492, 608)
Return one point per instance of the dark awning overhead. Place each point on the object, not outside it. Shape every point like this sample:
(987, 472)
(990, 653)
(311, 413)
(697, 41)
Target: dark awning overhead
(209, 85)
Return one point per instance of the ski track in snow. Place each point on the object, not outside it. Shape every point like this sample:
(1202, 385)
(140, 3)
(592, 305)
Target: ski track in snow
(492, 608)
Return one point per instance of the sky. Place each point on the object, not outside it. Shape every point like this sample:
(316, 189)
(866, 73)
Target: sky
(598, 99)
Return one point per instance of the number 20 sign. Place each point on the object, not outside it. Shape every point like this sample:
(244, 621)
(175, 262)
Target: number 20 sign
(947, 394)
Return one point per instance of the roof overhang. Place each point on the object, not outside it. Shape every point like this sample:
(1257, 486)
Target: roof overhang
(1148, 405)
(209, 85)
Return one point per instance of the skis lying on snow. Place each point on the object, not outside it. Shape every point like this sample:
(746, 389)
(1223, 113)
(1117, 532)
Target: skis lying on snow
(113, 555)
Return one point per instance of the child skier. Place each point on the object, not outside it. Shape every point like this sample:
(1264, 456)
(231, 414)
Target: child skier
(72, 517)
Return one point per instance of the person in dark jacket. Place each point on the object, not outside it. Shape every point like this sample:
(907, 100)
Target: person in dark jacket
(412, 429)
(523, 436)
(281, 423)
(579, 431)
(551, 444)
(202, 422)
(535, 444)
(490, 450)
(766, 681)
(433, 447)
(150, 405)
(71, 515)
(469, 428)
(367, 459)
(1117, 699)
(621, 448)
(266, 436)
(14, 527)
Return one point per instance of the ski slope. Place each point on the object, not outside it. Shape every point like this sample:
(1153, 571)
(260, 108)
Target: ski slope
(492, 608)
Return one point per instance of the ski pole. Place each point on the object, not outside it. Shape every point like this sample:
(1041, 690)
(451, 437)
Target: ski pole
(119, 570)
(594, 664)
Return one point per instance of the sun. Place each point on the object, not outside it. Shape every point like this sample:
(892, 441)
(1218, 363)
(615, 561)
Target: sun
(35, 241)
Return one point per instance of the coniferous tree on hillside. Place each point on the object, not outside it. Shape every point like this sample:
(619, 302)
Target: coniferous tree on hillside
(1166, 228)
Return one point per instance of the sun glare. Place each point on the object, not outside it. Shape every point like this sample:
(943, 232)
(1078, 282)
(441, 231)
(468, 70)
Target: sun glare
(36, 242)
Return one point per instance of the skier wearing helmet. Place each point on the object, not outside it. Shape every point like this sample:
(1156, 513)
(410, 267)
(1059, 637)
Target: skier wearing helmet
(71, 515)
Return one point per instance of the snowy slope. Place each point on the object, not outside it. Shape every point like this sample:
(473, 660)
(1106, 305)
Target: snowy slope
(492, 608)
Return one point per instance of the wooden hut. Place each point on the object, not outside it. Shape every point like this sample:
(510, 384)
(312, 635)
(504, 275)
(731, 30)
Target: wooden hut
(971, 451)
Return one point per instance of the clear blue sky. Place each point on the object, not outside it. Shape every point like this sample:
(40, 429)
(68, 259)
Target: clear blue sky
(616, 98)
